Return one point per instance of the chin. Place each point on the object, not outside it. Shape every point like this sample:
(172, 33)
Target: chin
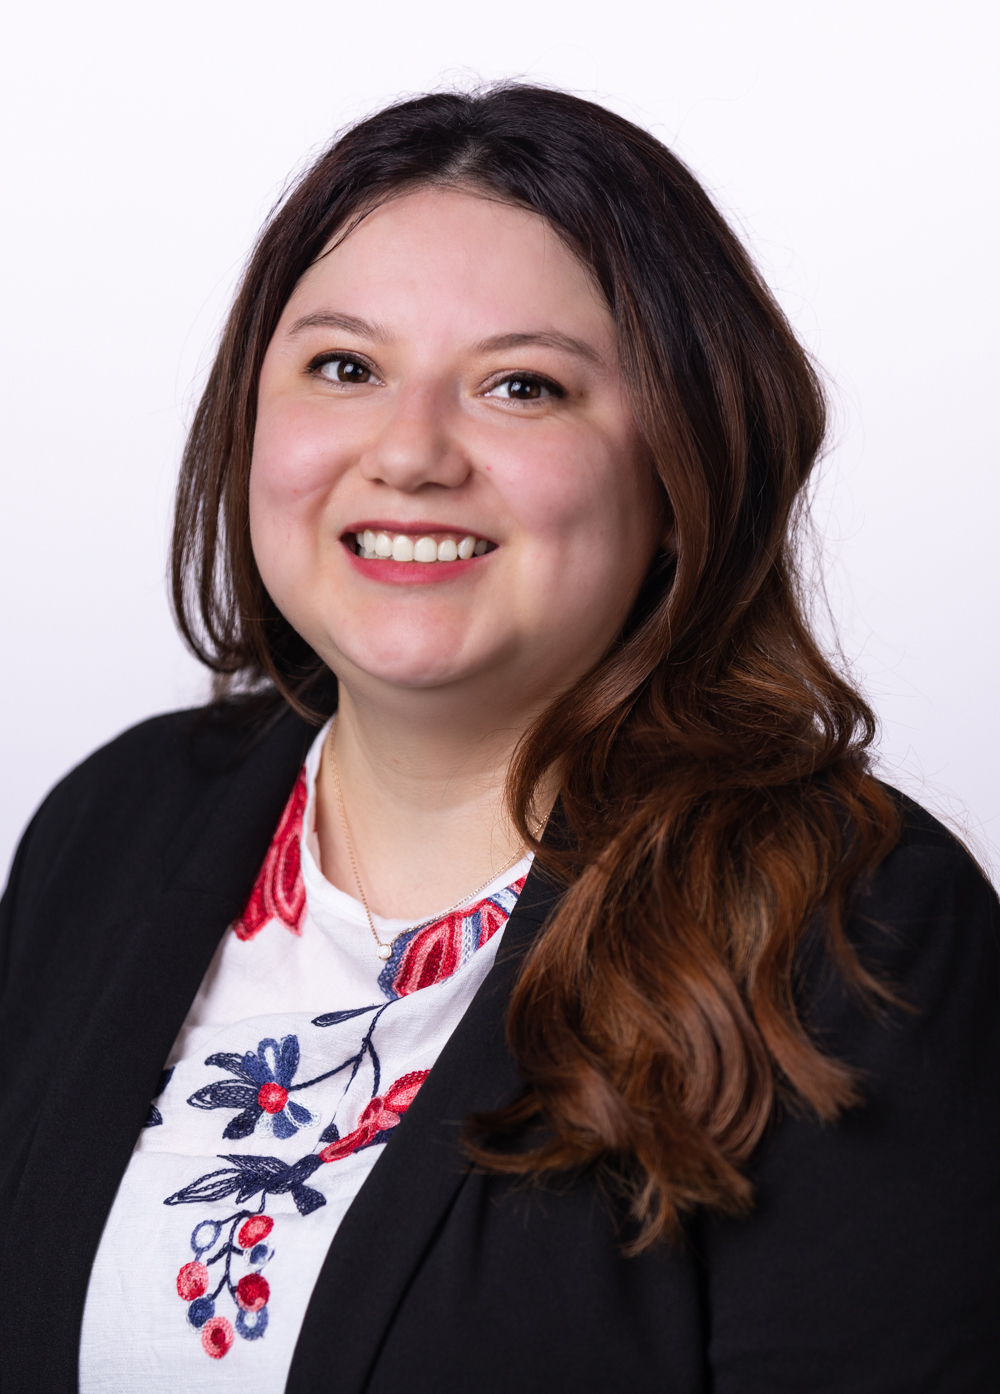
(409, 664)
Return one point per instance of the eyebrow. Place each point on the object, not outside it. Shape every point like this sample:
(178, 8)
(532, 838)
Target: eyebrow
(542, 339)
(498, 343)
(330, 319)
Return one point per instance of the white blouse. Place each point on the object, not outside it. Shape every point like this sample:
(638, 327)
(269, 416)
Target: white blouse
(297, 1059)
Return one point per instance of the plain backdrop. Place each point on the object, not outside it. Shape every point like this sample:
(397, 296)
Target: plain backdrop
(851, 141)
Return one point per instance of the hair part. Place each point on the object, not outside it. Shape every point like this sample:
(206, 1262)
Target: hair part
(714, 784)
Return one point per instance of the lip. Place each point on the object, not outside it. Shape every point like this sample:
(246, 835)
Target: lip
(413, 573)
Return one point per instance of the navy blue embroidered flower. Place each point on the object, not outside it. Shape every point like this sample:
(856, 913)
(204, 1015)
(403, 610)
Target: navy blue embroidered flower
(260, 1087)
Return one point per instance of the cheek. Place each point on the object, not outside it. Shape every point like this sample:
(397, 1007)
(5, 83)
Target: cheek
(574, 493)
(294, 458)
(292, 472)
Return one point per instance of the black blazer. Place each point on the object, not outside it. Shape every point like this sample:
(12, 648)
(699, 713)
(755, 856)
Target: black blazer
(870, 1264)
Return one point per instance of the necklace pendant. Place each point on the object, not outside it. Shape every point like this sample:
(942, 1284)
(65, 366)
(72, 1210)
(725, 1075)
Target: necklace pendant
(384, 951)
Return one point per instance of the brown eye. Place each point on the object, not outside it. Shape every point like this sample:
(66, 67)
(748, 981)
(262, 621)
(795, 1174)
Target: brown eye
(345, 370)
(524, 389)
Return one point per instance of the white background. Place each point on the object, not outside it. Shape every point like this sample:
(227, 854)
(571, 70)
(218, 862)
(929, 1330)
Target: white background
(851, 140)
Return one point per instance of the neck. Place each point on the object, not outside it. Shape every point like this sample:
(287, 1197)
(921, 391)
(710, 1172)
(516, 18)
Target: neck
(423, 797)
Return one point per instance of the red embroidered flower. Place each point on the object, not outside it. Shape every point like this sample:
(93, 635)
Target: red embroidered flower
(255, 1229)
(272, 1097)
(279, 892)
(252, 1292)
(192, 1281)
(437, 951)
(216, 1337)
(381, 1116)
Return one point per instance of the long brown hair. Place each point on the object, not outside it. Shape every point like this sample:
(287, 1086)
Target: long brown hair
(714, 785)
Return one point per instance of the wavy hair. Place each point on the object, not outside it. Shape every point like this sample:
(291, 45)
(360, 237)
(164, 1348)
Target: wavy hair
(714, 784)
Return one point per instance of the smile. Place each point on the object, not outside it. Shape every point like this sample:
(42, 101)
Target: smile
(402, 546)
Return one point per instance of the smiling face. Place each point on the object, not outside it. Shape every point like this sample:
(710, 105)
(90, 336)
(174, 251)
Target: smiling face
(445, 381)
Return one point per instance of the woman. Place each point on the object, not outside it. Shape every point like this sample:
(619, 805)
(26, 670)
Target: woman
(486, 527)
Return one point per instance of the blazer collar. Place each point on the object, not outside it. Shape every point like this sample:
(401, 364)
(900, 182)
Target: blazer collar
(423, 1159)
(113, 1051)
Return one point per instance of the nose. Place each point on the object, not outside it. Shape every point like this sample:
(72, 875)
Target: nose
(416, 445)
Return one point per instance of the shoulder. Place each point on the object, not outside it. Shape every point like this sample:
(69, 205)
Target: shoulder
(925, 924)
(924, 839)
(928, 904)
(152, 770)
(116, 818)
(870, 1257)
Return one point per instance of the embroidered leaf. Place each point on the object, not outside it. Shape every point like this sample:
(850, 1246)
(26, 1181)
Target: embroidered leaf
(298, 1171)
(331, 1133)
(154, 1118)
(257, 1166)
(243, 1124)
(259, 1174)
(252, 1174)
(216, 1185)
(270, 1174)
(307, 1199)
(301, 1115)
(227, 1061)
(225, 1093)
(334, 1018)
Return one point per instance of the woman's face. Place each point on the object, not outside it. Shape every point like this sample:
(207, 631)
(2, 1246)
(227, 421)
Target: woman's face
(449, 372)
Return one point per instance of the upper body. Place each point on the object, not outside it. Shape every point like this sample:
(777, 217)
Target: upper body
(868, 1262)
(496, 474)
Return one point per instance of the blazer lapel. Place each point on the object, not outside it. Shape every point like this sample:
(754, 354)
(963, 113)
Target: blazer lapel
(113, 1052)
(400, 1205)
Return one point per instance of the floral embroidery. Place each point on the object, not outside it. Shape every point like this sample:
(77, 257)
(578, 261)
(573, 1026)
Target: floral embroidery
(247, 1177)
(432, 954)
(260, 1083)
(261, 1088)
(279, 891)
(249, 1293)
(378, 1119)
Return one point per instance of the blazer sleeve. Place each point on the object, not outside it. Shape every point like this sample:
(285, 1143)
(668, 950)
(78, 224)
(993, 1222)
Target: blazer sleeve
(871, 1263)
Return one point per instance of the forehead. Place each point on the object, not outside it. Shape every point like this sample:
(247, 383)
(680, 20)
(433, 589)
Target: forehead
(447, 257)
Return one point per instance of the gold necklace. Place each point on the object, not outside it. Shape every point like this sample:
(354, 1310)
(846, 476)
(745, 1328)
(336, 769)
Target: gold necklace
(383, 949)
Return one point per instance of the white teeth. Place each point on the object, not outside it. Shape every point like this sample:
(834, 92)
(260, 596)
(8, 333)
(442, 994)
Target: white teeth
(402, 547)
